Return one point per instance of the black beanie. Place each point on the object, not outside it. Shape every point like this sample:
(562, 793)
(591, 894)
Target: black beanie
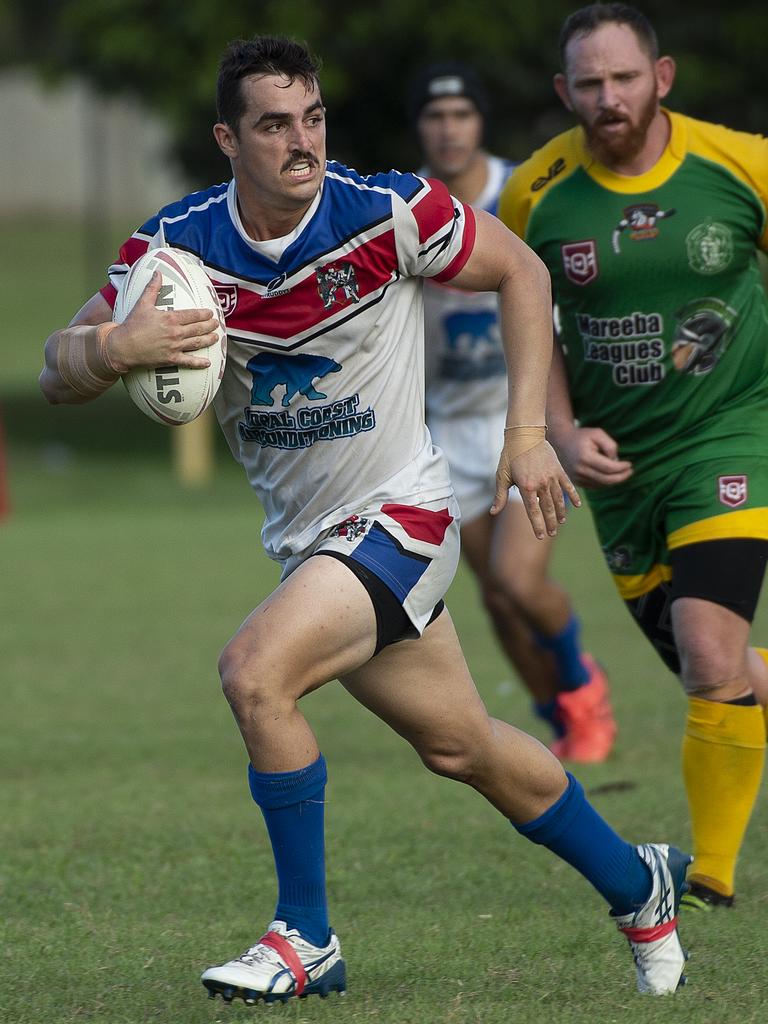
(441, 80)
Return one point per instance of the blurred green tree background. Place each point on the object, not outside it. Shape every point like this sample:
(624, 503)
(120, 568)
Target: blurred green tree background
(165, 53)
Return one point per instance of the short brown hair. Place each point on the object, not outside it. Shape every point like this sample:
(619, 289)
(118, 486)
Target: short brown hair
(587, 19)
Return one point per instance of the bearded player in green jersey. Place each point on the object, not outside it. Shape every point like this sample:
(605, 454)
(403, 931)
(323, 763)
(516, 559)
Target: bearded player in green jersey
(649, 223)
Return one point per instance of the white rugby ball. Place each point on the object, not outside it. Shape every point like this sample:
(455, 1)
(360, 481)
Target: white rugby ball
(174, 394)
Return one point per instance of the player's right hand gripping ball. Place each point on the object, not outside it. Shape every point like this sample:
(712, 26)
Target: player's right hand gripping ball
(174, 394)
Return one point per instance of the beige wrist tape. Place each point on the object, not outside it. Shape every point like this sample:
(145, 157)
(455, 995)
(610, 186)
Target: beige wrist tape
(521, 438)
(83, 361)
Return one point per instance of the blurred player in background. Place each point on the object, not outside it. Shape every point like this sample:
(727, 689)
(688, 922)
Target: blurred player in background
(466, 402)
(649, 223)
(322, 271)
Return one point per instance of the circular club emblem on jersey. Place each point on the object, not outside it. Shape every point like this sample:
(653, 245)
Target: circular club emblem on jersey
(710, 247)
(580, 261)
(701, 335)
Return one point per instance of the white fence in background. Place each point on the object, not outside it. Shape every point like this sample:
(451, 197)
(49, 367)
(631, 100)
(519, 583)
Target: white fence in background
(67, 151)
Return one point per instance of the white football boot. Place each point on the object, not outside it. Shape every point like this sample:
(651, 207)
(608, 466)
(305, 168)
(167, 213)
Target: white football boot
(652, 929)
(282, 964)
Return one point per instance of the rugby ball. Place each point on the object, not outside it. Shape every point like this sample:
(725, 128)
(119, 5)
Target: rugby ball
(174, 394)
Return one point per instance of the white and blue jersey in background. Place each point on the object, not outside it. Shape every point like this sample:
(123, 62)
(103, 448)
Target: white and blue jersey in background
(465, 370)
(466, 374)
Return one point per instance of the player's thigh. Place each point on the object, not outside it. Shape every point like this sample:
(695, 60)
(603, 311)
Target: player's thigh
(699, 534)
(423, 689)
(711, 641)
(717, 537)
(318, 624)
(714, 592)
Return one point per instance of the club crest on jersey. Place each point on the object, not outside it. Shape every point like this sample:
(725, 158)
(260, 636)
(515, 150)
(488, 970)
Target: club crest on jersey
(710, 247)
(337, 284)
(641, 219)
(732, 490)
(580, 261)
(351, 528)
(227, 297)
(702, 334)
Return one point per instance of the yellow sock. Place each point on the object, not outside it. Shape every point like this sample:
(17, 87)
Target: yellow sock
(723, 755)
(763, 652)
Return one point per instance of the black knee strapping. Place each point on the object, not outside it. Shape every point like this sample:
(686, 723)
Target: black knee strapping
(727, 572)
(653, 614)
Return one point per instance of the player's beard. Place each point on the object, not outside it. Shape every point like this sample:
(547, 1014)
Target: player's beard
(612, 149)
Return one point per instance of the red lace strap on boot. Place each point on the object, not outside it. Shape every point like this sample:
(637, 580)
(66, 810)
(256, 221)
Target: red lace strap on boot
(650, 934)
(286, 951)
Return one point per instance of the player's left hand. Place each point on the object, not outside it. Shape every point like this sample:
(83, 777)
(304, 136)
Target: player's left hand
(543, 484)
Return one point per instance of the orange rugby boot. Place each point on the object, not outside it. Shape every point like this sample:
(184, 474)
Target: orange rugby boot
(586, 716)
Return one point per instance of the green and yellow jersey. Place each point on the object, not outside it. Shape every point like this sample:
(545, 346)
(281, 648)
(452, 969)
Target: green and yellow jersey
(662, 310)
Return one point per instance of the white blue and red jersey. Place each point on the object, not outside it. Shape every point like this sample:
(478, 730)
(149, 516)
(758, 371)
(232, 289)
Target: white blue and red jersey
(466, 371)
(322, 399)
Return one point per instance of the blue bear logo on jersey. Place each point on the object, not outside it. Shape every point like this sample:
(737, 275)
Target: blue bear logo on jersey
(295, 373)
(473, 350)
(468, 330)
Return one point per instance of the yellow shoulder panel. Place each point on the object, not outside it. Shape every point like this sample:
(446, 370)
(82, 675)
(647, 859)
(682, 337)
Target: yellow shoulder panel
(531, 180)
(743, 154)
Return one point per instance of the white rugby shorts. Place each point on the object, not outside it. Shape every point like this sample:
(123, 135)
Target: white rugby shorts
(472, 445)
(413, 549)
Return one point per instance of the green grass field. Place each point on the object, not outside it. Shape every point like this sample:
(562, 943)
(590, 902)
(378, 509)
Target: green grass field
(132, 854)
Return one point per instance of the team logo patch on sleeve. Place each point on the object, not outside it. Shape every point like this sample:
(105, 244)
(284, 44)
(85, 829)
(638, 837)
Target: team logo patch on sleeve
(732, 490)
(580, 261)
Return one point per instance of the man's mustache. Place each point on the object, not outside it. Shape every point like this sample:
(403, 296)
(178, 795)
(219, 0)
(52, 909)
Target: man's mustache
(611, 118)
(297, 158)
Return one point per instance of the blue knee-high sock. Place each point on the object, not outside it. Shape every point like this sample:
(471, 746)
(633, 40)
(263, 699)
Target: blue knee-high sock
(566, 647)
(293, 805)
(574, 830)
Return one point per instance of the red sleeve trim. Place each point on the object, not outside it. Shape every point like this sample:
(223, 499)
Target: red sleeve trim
(468, 244)
(110, 294)
(434, 211)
